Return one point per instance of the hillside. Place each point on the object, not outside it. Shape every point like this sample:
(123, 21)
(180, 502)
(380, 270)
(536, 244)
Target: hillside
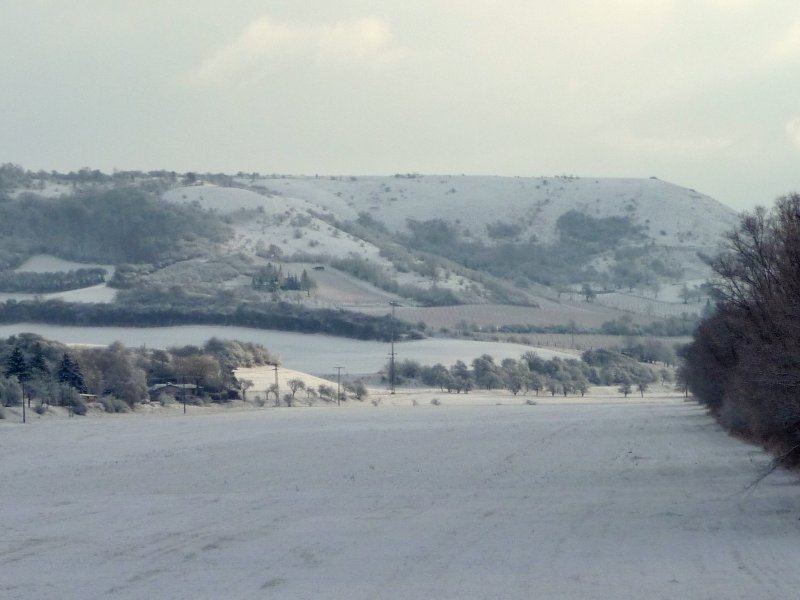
(472, 236)
(564, 250)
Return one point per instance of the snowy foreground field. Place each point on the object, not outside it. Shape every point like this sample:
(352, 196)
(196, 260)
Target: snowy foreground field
(503, 502)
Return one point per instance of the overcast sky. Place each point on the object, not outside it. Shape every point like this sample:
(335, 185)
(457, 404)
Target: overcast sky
(702, 93)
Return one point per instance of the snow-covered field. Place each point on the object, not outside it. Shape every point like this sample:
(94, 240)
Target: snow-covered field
(648, 306)
(316, 354)
(91, 294)
(44, 263)
(546, 502)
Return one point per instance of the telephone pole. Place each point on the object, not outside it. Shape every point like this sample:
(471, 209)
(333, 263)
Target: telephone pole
(391, 355)
(338, 385)
(277, 386)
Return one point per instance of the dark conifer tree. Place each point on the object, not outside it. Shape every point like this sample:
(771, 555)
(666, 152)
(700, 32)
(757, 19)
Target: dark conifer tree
(38, 363)
(69, 372)
(16, 366)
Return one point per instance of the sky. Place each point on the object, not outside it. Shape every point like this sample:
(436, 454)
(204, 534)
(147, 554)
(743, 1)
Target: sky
(701, 93)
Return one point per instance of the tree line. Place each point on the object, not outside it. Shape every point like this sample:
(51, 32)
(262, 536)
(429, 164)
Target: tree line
(744, 360)
(45, 373)
(169, 307)
(556, 376)
(119, 225)
(57, 281)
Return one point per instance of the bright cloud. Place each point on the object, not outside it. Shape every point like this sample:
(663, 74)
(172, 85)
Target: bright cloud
(266, 43)
(696, 147)
(793, 131)
(788, 46)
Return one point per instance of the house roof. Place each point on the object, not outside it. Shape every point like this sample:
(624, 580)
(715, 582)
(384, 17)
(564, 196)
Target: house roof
(181, 386)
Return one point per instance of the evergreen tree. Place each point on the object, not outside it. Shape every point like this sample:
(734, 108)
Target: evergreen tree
(16, 365)
(306, 283)
(69, 372)
(38, 364)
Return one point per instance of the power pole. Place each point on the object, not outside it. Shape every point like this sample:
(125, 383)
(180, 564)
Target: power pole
(277, 386)
(338, 385)
(391, 355)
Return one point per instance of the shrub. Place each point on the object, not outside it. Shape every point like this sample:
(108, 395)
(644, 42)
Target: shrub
(10, 392)
(357, 388)
(112, 404)
(79, 407)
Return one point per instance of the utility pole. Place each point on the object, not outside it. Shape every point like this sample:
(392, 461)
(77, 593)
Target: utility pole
(23, 400)
(338, 385)
(391, 355)
(277, 386)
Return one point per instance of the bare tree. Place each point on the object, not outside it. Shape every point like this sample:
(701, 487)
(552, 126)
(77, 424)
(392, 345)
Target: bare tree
(744, 362)
(244, 385)
(295, 385)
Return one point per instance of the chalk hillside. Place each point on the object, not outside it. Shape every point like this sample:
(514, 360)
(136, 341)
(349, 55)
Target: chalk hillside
(421, 231)
(555, 250)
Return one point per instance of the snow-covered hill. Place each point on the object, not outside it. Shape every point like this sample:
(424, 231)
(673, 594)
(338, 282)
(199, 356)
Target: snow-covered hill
(285, 217)
(672, 215)
(442, 240)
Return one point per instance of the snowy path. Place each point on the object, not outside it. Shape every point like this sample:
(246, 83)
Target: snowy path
(561, 502)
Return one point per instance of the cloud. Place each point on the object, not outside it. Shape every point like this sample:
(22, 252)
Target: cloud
(793, 131)
(725, 4)
(787, 47)
(265, 44)
(697, 147)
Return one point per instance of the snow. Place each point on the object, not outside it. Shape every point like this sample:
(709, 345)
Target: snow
(696, 219)
(100, 293)
(546, 502)
(46, 263)
(680, 222)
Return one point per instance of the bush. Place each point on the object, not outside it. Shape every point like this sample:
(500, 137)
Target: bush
(357, 388)
(10, 392)
(112, 404)
(79, 408)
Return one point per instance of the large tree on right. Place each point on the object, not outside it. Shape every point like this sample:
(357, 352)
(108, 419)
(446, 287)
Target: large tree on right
(744, 361)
